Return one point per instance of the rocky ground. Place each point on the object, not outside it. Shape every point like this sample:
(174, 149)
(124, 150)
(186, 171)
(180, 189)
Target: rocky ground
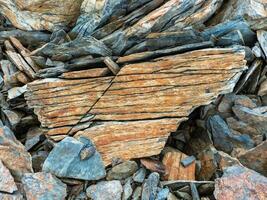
(149, 100)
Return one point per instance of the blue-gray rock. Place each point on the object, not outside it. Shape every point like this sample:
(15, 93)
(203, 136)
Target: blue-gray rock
(224, 139)
(43, 186)
(65, 160)
(127, 189)
(163, 194)
(140, 175)
(105, 190)
(150, 187)
(188, 160)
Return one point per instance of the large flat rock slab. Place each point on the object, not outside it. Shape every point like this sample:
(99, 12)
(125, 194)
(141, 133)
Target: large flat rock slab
(131, 114)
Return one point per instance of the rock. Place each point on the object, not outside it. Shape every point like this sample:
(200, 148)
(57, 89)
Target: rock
(183, 195)
(15, 196)
(245, 101)
(13, 154)
(140, 175)
(163, 194)
(224, 139)
(64, 161)
(188, 161)
(127, 190)
(7, 183)
(137, 193)
(256, 158)
(16, 92)
(38, 159)
(208, 163)
(240, 183)
(175, 170)
(263, 88)
(149, 190)
(108, 190)
(224, 160)
(122, 171)
(33, 137)
(172, 197)
(43, 186)
(153, 165)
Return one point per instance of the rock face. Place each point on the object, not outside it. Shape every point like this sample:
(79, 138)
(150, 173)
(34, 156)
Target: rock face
(168, 92)
(256, 158)
(7, 183)
(43, 186)
(149, 190)
(122, 171)
(240, 183)
(13, 154)
(71, 158)
(108, 190)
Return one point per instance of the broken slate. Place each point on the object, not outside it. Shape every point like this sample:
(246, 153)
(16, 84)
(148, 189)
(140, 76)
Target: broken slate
(150, 187)
(65, 161)
(43, 186)
(122, 171)
(7, 183)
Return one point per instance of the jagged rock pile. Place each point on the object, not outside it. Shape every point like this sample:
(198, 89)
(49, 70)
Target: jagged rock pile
(127, 99)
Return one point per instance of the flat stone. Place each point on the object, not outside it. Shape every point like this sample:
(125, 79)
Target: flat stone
(14, 196)
(43, 185)
(140, 175)
(137, 193)
(64, 161)
(127, 189)
(224, 160)
(153, 165)
(122, 171)
(38, 159)
(163, 194)
(108, 190)
(7, 183)
(149, 190)
(172, 197)
(256, 158)
(240, 183)
(188, 161)
(13, 154)
(16, 92)
(33, 137)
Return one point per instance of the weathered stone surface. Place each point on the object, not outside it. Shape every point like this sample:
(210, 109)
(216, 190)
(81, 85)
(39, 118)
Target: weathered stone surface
(150, 186)
(153, 165)
(256, 158)
(224, 160)
(40, 15)
(122, 171)
(174, 168)
(127, 190)
(140, 175)
(64, 161)
(7, 183)
(108, 190)
(13, 154)
(15, 196)
(170, 87)
(240, 183)
(163, 194)
(43, 186)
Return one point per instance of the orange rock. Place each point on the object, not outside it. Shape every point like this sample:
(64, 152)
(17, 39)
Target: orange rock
(174, 168)
(153, 165)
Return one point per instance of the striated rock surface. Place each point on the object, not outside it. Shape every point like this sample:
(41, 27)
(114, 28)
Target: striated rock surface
(7, 183)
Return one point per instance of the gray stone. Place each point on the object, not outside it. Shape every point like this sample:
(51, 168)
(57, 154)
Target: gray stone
(163, 194)
(172, 197)
(183, 195)
(108, 190)
(140, 175)
(64, 161)
(188, 160)
(150, 187)
(137, 193)
(33, 137)
(127, 189)
(43, 186)
(16, 92)
(122, 171)
(38, 159)
(14, 196)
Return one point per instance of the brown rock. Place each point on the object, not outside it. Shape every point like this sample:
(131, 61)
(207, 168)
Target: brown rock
(175, 170)
(208, 164)
(224, 160)
(43, 186)
(240, 183)
(7, 183)
(256, 158)
(13, 154)
(153, 165)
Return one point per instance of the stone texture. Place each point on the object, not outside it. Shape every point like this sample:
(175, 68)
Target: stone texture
(64, 161)
(108, 190)
(122, 171)
(43, 186)
(13, 154)
(150, 186)
(240, 183)
(256, 158)
(140, 175)
(7, 183)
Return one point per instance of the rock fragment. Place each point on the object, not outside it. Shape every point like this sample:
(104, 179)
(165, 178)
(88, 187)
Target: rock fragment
(7, 183)
(122, 171)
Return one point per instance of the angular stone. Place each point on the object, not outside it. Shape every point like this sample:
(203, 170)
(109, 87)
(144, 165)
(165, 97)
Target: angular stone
(153, 165)
(38, 159)
(15, 196)
(13, 154)
(256, 158)
(163, 194)
(7, 183)
(175, 170)
(108, 190)
(137, 193)
(127, 190)
(172, 197)
(240, 183)
(122, 171)
(43, 186)
(224, 160)
(149, 190)
(64, 161)
(140, 175)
